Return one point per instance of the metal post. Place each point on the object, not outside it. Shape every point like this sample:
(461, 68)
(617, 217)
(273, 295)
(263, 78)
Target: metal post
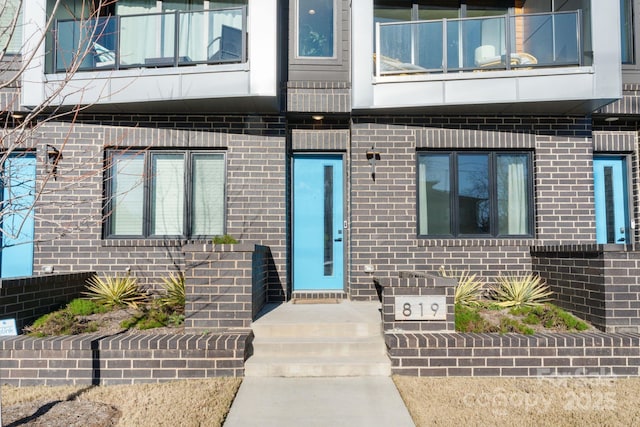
(378, 56)
(445, 52)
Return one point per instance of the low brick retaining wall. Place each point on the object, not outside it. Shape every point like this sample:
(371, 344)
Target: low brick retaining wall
(512, 355)
(225, 285)
(599, 283)
(121, 359)
(27, 298)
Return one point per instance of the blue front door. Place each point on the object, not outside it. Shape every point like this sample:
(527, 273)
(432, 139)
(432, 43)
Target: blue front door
(318, 235)
(18, 197)
(610, 186)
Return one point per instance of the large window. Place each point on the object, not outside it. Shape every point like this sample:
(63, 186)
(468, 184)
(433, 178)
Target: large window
(474, 194)
(316, 29)
(165, 193)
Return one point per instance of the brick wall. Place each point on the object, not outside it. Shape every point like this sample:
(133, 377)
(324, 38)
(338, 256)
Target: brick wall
(599, 283)
(383, 230)
(26, 299)
(225, 285)
(511, 355)
(69, 217)
(415, 284)
(121, 359)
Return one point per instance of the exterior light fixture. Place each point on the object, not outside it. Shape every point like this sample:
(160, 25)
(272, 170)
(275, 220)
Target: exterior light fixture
(53, 157)
(611, 119)
(372, 157)
(312, 12)
(317, 117)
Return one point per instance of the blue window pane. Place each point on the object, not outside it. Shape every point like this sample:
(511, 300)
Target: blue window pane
(473, 194)
(315, 28)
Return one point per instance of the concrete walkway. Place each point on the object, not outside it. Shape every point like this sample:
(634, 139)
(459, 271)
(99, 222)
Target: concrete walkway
(333, 402)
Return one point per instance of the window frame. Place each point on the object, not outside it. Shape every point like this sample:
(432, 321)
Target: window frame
(147, 208)
(337, 38)
(454, 221)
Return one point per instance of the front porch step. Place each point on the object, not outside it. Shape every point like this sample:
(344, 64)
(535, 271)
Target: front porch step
(270, 366)
(316, 329)
(322, 346)
(317, 340)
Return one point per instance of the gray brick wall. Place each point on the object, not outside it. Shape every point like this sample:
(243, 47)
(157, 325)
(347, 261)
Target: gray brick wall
(628, 104)
(69, 216)
(318, 97)
(417, 284)
(223, 284)
(512, 355)
(599, 283)
(565, 212)
(383, 211)
(26, 299)
(121, 359)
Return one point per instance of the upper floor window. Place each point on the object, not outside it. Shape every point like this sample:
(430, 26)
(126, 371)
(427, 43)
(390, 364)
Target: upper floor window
(419, 36)
(315, 29)
(11, 26)
(165, 193)
(143, 33)
(474, 194)
(627, 43)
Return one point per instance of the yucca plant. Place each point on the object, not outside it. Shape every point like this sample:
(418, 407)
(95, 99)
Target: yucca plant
(468, 289)
(521, 290)
(174, 292)
(115, 291)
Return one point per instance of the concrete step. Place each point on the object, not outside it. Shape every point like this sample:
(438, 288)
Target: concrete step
(316, 330)
(318, 340)
(321, 347)
(264, 366)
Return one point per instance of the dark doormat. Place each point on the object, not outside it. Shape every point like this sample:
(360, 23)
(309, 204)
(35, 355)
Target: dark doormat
(315, 301)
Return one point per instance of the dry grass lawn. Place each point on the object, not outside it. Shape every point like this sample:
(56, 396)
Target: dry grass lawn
(184, 403)
(521, 401)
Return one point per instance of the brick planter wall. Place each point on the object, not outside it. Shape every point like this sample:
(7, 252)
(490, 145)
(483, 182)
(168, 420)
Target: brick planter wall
(417, 284)
(226, 285)
(599, 283)
(121, 359)
(28, 298)
(511, 355)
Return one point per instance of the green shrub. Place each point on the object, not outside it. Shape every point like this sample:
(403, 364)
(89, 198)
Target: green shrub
(468, 288)
(174, 292)
(115, 291)
(224, 240)
(154, 317)
(175, 319)
(521, 290)
(468, 319)
(60, 322)
(511, 325)
(85, 307)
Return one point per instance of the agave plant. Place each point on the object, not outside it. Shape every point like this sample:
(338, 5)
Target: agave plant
(521, 290)
(174, 292)
(115, 291)
(468, 289)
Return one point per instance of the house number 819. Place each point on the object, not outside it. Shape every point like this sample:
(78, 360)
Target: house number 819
(420, 308)
(407, 309)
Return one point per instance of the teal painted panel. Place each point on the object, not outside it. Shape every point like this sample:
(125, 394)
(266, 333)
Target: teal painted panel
(611, 200)
(318, 239)
(18, 195)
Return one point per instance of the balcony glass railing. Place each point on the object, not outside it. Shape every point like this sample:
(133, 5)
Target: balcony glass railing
(151, 40)
(473, 44)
